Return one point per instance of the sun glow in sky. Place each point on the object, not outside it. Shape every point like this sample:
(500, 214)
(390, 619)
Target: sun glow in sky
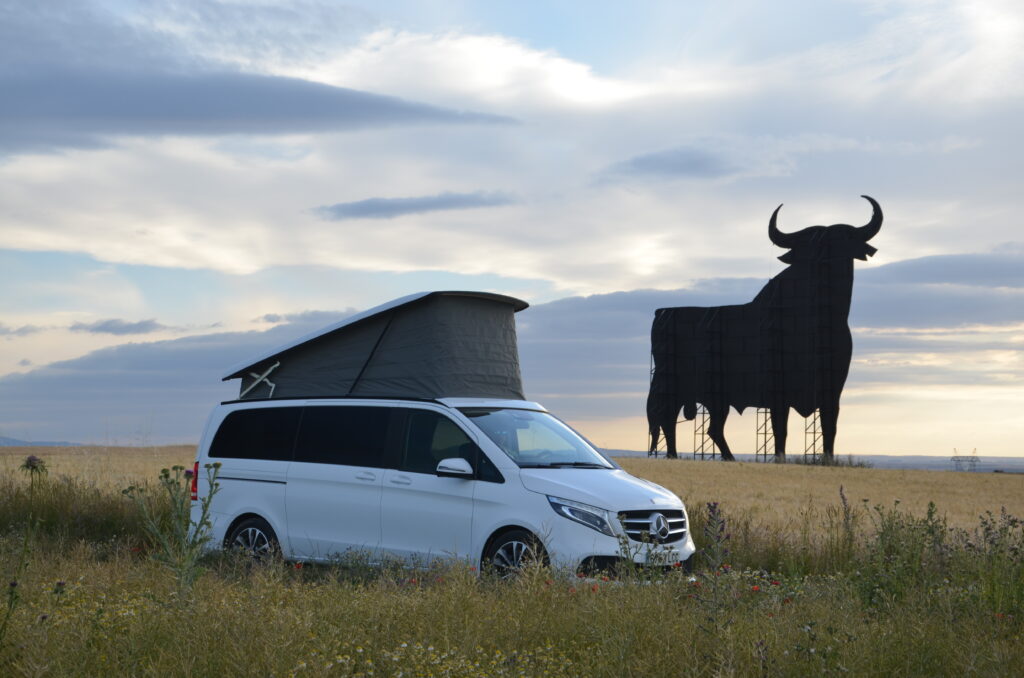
(184, 184)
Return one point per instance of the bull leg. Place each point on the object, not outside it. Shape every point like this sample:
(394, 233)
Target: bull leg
(829, 423)
(655, 430)
(780, 428)
(716, 431)
(670, 439)
(655, 416)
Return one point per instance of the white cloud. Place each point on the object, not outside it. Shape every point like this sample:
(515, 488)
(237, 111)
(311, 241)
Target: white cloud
(915, 103)
(466, 68)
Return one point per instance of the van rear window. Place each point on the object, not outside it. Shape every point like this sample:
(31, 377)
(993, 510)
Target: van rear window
(349, 435)
(260, 433)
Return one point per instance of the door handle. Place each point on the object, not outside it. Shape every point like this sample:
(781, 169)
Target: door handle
(401, 480)
(366, 475)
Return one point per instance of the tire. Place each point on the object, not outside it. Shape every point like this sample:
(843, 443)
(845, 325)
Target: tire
(512, 552)
(254, 537)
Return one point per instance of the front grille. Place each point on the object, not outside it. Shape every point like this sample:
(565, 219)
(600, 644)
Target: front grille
(638, 525)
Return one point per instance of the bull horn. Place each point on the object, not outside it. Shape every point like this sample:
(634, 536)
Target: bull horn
(870, 229)
(778, 237)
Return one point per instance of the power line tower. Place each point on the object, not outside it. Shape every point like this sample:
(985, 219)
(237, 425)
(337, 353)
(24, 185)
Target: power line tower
(965, 462)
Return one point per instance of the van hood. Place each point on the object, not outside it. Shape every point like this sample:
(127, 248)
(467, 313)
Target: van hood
(614, 490)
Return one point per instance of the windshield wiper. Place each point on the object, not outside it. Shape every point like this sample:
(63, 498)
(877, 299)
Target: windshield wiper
(565, 464)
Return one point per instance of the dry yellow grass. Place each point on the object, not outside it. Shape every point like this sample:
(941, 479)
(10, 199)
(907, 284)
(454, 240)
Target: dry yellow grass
(108, 467)
(765, 492)
(777, 494)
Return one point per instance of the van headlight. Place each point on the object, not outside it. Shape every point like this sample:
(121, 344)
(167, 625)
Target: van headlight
(585, 514)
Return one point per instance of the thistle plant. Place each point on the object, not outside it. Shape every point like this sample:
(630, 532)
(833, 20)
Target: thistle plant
(36, 470)
(178, 541)
(715, 551)
(714, 595)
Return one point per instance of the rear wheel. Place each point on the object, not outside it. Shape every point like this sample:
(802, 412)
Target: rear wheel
(255, 537)
(512, 552)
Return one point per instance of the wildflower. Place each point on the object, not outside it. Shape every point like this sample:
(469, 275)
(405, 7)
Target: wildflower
(776, 582)
(594, 588)
(580, 575)
(13, 584)
(472, 569)
(771, 614)
(604, 577)
(298, 566)
(189, 473)
(787, 600)
(755, 588)
(414, 581)
(677, 564)
(572, 589)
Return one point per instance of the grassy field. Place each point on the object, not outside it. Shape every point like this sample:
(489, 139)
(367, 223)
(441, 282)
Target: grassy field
(780, 494)
(790, 580)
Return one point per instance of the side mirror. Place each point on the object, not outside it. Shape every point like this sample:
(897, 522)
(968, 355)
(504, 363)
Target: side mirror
(455, 467)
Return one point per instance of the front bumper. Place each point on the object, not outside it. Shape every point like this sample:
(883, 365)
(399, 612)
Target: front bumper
(572, 546)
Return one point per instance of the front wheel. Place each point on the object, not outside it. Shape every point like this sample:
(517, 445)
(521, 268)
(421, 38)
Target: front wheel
(254, 537)
(512, 552)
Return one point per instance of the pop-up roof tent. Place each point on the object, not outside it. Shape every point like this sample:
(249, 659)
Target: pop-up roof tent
(427, 345)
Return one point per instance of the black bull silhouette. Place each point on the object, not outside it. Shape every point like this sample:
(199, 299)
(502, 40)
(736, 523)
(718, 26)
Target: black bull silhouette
(789, 347)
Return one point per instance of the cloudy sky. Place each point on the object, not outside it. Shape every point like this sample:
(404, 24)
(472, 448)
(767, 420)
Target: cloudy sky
(187, 182)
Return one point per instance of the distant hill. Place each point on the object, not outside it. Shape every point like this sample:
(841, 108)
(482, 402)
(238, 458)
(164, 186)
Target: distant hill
(14, 442)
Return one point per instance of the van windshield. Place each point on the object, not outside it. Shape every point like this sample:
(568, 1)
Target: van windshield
(535, 439)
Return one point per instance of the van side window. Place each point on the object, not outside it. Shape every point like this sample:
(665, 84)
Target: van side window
(352, 436)
(431, 437)
(260, 433)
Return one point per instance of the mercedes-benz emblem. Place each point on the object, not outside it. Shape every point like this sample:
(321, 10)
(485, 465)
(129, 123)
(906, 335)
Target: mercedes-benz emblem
(659, 526)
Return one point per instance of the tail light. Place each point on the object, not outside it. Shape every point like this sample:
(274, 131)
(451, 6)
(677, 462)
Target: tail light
(195, 482)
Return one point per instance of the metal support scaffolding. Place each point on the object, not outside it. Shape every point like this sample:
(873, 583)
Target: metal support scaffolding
(813, 442)
(765, 440)
(703, 446)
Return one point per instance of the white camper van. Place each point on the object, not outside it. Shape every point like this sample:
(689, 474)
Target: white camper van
(373, 454)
